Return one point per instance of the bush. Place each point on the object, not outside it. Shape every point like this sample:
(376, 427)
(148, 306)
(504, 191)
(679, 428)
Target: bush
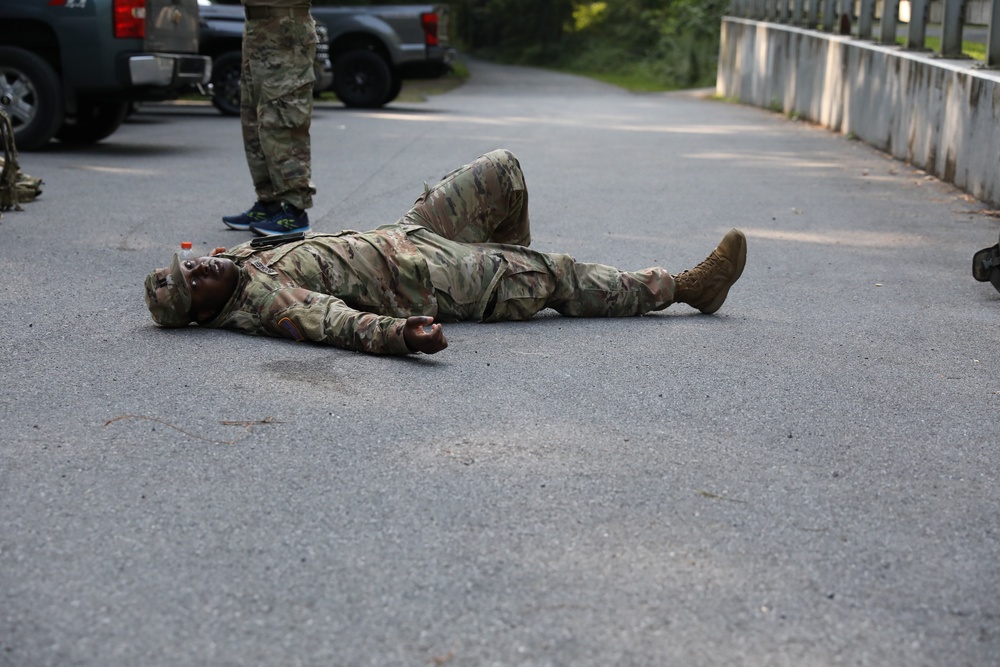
(659, 44)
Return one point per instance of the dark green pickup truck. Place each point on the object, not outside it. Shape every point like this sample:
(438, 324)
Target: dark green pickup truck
(70, 69)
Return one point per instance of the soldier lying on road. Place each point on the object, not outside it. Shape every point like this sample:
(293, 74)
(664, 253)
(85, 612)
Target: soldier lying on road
(459, 254)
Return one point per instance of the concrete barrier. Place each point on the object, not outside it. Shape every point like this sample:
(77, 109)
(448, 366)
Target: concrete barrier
(940, 115)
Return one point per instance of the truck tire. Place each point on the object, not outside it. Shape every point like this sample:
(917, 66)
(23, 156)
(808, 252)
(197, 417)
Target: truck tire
(226, 70)
(361, 79)
(394, 89)
(93, 121)
(36, 109)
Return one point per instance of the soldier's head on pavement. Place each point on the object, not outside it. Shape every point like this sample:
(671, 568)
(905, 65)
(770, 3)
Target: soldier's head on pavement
(190, 290)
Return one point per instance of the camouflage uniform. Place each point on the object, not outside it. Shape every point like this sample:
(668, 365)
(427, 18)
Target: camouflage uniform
(276, 86)
(354, 290)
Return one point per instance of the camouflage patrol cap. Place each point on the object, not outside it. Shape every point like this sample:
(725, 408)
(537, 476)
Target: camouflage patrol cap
(168, 295)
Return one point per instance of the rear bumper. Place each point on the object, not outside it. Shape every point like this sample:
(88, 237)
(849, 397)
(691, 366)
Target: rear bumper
(169, 70)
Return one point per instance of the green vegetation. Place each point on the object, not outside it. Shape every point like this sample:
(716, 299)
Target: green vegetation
(637, 81)
(973, 50)
(645, 45)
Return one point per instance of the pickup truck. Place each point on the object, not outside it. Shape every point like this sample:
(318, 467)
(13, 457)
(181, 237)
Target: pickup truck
(72, 68)
(372, 49)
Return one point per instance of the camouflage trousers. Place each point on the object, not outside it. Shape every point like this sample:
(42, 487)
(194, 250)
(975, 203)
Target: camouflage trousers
(475, 245)
(276, 85)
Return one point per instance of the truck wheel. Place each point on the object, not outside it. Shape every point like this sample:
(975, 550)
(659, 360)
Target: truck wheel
(397, 85)
(226, 71)
(361, 79)
(36, 107)
(92, 122)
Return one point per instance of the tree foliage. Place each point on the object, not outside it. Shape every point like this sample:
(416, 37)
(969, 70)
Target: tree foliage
(674, 43)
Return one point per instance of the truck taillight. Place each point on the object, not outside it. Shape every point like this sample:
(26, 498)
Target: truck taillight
(130, 18)
(429, 21)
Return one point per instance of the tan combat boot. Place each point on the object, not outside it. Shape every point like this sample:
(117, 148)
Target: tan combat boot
(706, 286)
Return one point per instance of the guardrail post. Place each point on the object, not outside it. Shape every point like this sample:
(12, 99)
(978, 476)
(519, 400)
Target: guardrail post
(890, 14)
(993, 37)
(813, 17)
(797, 12)
(828, 12)
(951, 29)
(916, 34)
(867, 18)
(783, 11)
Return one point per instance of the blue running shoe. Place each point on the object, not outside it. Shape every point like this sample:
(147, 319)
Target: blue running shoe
(242, 221)
(286, 220)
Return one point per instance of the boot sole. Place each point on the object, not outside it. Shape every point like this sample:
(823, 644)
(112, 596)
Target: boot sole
(741, 260)
(979, 270)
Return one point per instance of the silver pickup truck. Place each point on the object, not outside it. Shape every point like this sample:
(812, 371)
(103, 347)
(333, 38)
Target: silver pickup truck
(372, 49)
(70, 69)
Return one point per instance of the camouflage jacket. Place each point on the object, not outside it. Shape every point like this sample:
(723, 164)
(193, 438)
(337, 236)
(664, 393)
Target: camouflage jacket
(329, 287)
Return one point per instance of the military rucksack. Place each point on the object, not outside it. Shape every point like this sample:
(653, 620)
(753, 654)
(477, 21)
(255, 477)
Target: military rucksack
(15, 186)
(986, 266)
(25, 187)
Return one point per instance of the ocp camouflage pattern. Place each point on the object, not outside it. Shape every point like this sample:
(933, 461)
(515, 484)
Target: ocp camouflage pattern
(276, 101)
(354, 290)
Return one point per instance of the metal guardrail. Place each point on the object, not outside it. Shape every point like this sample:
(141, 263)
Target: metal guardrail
(838, 16)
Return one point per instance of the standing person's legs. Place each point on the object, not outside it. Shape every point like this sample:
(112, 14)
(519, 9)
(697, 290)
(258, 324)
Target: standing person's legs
(485, 201)
(254, 33)
(283, 77)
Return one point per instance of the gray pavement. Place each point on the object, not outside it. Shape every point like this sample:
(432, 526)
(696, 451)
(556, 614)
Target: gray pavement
(808, 477)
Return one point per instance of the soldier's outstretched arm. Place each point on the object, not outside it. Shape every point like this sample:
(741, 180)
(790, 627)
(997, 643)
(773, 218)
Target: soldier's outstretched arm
(301, 314)
(422, 335)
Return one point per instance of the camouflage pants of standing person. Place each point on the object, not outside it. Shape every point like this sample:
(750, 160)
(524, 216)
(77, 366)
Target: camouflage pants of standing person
(477, 218)
(276, 86)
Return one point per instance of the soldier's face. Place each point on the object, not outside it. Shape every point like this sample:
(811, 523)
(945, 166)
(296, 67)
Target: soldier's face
(212, 281)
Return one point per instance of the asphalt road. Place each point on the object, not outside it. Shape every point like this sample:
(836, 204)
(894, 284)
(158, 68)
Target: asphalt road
(808, 477)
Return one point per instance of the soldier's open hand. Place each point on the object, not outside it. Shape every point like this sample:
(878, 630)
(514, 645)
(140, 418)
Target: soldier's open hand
(422, 335)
